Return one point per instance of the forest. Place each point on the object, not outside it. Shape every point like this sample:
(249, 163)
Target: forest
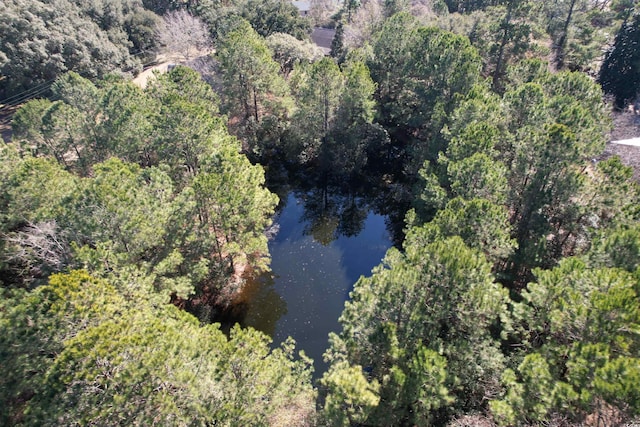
(511, 296)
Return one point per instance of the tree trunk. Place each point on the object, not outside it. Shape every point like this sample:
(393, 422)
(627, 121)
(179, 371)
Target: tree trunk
(563, 38)
(255, 105)
(497, 74)
(244, 93)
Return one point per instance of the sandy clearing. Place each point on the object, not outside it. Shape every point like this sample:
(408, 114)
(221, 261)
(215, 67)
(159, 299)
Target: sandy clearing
(142, 78)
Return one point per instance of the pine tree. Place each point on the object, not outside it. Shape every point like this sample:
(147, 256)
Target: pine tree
(620, 72)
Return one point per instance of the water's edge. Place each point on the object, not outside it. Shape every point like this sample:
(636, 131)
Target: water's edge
(316, 259)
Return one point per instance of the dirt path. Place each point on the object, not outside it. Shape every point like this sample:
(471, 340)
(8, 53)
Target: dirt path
(165, 62)
(142, 78)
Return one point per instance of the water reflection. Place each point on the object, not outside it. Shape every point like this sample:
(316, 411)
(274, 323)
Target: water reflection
(329, 217)
(333, 228)
(323, 246)
(259, 304)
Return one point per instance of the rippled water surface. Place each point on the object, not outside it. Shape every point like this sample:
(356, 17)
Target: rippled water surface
(318, 253)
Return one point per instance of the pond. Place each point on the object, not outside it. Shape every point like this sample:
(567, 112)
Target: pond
(323, 244)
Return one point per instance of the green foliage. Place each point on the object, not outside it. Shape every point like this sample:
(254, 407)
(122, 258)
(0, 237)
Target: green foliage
(220, 16)
(289, 51)
(573, 32)
(420, 312)
(187, 128)
(93, 356)
(317, 89)
(529, 152)
(41, 41)
(548, 170)
(469, 5)
(252, 84)
(122, 220)
(579, 326)
(354, 135)
(86, 124)
(620, 72)
(237, 218)
(421, 73)
(502, 33)
(266, 17)
(275, 16)
(128, 122)
(357, 103)
(516, 181)
(183, 83)
(161, 6)
(141, 27)
(256, 96)
(351, 398)
(147, 190)
(481, 224)
(429, 199)
(618, 248)
(332, 127)
(52, 129)
(478, 176)
(34, 326)
(578, 30)
(35, 189)
(506, 40)
(176, 221)
(34, 240)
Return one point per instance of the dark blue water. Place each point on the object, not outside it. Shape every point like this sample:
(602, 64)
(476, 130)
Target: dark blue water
(317, 256)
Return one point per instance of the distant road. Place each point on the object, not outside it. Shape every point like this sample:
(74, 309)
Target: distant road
(633, 142)
(165, 62)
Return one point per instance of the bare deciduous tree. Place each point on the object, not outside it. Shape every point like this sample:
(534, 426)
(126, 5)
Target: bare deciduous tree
(321, 11)
(38, 248)
(183, 35)
(423, 9)
(364, 23)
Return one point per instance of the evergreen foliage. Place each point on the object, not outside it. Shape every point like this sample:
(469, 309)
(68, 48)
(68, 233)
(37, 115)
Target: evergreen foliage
(513, 298)
(333, 125)
(96, 357)
(41, 40)
(418, 329)
(581, 354)
(529, 151)
(620, 72)
(421, 73)
(170, 212)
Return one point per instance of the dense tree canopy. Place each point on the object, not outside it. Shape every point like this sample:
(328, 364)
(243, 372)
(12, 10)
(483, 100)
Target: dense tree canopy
(251, 77)
(40, 40)
(332, 127)
(421, 72)
(170, 209)
(275, 16)
(95, 356)
(531, 151)
(419, 328)
(509, 167)
(289, 51)
(265, 16)
(510, 299)
(580, 354)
